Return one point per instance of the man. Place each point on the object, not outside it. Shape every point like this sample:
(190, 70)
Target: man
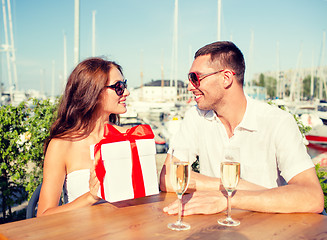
(277, 174)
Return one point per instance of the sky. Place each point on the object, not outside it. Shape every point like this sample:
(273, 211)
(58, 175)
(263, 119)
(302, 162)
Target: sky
(139, 36)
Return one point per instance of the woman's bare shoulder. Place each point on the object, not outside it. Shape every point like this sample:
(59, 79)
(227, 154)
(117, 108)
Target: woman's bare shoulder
(74, 155)
(58, 143)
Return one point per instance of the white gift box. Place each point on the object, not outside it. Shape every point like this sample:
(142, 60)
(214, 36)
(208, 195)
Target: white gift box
(117, 159)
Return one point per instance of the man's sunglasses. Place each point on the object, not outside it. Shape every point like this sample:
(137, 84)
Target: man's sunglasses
(119, 87)
(195, 79)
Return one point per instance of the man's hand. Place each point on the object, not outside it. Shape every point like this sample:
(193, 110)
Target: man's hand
(199, 202)
(198, 182)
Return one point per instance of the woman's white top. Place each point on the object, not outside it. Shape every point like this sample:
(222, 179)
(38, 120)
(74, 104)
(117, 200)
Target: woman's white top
(76, 184)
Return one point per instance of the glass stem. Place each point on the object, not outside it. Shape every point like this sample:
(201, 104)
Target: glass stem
(229, 207)
(179, 208)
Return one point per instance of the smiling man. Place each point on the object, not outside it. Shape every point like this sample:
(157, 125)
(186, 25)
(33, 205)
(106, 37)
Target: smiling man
(277, 174)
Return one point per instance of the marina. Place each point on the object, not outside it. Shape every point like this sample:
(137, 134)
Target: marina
(156, 57)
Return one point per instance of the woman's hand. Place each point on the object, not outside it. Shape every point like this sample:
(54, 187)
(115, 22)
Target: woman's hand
(94, 183)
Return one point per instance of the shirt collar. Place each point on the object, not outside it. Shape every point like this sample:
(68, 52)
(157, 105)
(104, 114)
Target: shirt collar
(207, 114)
(249, 121)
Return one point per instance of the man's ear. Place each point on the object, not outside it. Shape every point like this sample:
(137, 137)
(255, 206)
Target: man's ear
(228, 79)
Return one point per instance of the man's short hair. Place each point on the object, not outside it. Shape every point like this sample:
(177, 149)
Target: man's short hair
(225, 54)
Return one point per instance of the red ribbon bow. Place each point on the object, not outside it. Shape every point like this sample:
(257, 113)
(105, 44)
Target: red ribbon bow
(111, 135)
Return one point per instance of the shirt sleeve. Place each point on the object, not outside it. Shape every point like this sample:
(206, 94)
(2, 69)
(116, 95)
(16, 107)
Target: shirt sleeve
(185, 137)
(292, 156)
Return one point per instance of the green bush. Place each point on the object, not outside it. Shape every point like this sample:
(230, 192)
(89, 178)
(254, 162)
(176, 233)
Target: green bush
(322, 176)
(39, 123)
(23, 131)
(13, 160)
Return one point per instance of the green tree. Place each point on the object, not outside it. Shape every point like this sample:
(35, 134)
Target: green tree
(261, 82)
(269, 83)
(38, 124)
(307, 87)
(12, 156)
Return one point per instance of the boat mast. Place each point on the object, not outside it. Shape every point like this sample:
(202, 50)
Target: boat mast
(219, 21)
(93, 33)
(53, 79)
(76, 32)
(312, 79)
(322, 81)
(6, 48)
(249, 72)
(141, 77)
(175, 49)
(295, 83)
(279, 92)
(65, 61)
(13, 54)
(162, 74)
(42, 72)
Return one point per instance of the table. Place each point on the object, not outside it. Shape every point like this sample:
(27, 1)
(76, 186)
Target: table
(143, 218)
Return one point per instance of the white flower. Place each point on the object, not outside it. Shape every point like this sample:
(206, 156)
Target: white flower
(24, 139)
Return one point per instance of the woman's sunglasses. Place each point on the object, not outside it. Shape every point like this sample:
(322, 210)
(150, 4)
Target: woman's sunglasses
(119, 87)
(195, 79)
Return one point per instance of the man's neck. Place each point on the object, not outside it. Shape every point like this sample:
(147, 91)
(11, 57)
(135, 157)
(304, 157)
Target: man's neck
(232, 112)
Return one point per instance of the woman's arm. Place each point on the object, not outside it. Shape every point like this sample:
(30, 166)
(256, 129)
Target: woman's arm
(54, 172)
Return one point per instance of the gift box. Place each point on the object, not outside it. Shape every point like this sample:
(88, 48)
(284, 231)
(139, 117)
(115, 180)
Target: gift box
(125, 163)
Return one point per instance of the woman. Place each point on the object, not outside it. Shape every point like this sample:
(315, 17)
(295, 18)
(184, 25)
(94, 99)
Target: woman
(95, 94)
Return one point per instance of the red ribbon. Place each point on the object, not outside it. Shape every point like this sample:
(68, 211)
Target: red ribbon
(111, 135)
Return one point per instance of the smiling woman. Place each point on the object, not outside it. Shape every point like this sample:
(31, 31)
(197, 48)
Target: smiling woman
(94, 96)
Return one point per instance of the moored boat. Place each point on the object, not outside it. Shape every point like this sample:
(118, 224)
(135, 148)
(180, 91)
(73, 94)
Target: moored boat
(317, 139)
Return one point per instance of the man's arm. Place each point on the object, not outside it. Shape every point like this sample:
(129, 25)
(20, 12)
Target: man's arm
(302, 194)
(199, 182)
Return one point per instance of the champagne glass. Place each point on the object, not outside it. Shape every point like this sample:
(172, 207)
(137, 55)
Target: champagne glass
(179, 177)
(230, 176)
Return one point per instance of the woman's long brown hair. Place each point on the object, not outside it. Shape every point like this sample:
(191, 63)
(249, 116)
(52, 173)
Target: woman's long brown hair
(78, 105)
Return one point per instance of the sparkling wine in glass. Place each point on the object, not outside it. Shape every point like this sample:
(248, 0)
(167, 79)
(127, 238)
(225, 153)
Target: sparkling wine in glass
(179, 177)
(230, 176)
